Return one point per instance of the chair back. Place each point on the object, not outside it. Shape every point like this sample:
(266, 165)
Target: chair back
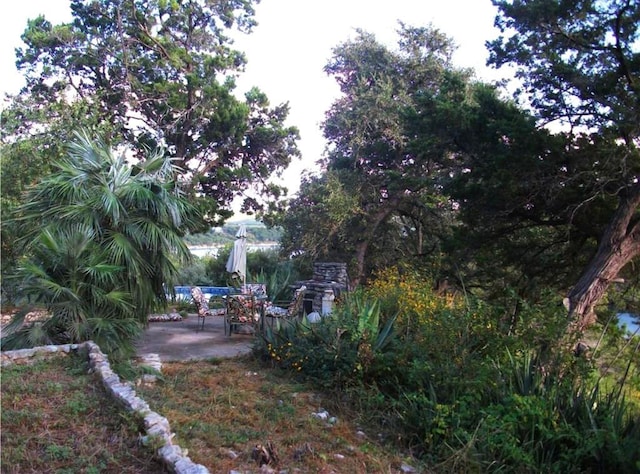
(255, 289)
(241, 308)
(200, 301)
(295, 307)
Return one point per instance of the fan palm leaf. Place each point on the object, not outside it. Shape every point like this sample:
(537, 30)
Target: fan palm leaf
(105, 250)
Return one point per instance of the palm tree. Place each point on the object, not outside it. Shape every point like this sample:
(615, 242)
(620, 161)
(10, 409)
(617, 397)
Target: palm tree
(104, 252)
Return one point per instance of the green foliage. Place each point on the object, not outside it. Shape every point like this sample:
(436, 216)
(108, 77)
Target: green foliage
(316, 225)
(371, 327)
(468, 388)
(194, 273)
(557, 427)
(277, 281)
(103, 249)
(335, 351)
(264, 266)
(429, 167)
(380, 200)
(171, 64)
(579, 69)
(590, 79)
(21, 164)
(185, 306)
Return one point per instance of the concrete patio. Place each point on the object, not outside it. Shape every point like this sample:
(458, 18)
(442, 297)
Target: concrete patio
(184, 340)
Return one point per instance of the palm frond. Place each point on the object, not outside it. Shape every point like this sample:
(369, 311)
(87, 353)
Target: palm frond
(103, 253)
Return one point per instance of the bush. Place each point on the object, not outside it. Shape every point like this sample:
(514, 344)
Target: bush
(337, 351)
(103, 237)
(466, 385)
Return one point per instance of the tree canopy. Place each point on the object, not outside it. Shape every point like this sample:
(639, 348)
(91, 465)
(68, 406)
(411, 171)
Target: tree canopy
(158, 73)
(380, 192)
(401, 137)
(430, 167)
(579, 63)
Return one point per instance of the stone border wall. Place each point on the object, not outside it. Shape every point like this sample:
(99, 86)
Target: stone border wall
(156, 426)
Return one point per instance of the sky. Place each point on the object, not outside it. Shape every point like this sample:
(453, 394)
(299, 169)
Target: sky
(293, 41)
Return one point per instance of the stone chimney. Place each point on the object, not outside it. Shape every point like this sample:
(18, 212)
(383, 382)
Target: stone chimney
(328, 277)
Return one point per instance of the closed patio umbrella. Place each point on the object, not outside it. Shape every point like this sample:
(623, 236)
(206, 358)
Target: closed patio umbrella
(237, 263)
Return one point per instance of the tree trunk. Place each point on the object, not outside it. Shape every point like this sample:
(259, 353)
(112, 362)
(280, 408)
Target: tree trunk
(361, 252)
(618, 246)
(363, 245)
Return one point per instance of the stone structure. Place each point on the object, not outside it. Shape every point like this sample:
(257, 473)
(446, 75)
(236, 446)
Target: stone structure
(329, 280)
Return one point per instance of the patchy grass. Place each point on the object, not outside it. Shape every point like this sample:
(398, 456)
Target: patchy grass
(56, 418)
(221, 410)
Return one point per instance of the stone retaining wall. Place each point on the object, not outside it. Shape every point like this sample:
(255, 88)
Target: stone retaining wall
(157, 427)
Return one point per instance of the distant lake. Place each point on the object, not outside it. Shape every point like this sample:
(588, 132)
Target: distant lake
(630, 321)
(204, 250)
(213, 250)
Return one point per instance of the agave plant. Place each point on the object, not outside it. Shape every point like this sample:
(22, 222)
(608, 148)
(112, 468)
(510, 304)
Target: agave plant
(367, 315)
(103, 254)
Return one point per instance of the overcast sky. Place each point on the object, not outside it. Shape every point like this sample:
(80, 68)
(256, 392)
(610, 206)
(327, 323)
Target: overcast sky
(292, 43)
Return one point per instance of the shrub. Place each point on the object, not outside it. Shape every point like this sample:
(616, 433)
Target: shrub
(338, 350)
(103, 249)
(468, 387)
(410, 296)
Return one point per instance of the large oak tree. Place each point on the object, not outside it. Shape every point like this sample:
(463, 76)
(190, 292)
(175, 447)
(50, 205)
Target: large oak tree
(397, 136)
(380, 193)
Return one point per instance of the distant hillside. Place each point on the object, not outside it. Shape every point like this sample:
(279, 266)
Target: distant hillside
(248, 223)
(257, 233)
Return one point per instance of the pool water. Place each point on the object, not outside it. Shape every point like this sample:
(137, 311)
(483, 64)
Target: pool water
(630, 321)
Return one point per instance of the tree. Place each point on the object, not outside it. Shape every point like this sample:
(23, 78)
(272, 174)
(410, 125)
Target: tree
(159, 72)
(381, 190)
(512, 234)
(103, 252)
(316, 223)
(408, 132)
(579, 63)
(13, 181)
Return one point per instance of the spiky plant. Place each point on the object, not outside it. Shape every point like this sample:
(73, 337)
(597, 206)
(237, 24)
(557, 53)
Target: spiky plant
(103, 254)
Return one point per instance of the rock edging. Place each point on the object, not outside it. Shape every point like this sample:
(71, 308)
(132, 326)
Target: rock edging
(154, 318)
(156, 426)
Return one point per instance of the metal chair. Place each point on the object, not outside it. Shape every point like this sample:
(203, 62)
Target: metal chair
(202, 305)
(241, 310)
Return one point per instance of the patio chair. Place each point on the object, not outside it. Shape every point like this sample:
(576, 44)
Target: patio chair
(202, 305)
(293, 310)
(241, 310)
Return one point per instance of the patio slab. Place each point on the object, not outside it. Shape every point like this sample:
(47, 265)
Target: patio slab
(184, 340)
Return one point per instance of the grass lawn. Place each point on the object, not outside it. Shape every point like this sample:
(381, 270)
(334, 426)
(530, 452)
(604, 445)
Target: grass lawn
(58, 419)
(229, 414)
(224, 411)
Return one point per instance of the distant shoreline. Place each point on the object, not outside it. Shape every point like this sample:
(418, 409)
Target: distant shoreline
(213, 250)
